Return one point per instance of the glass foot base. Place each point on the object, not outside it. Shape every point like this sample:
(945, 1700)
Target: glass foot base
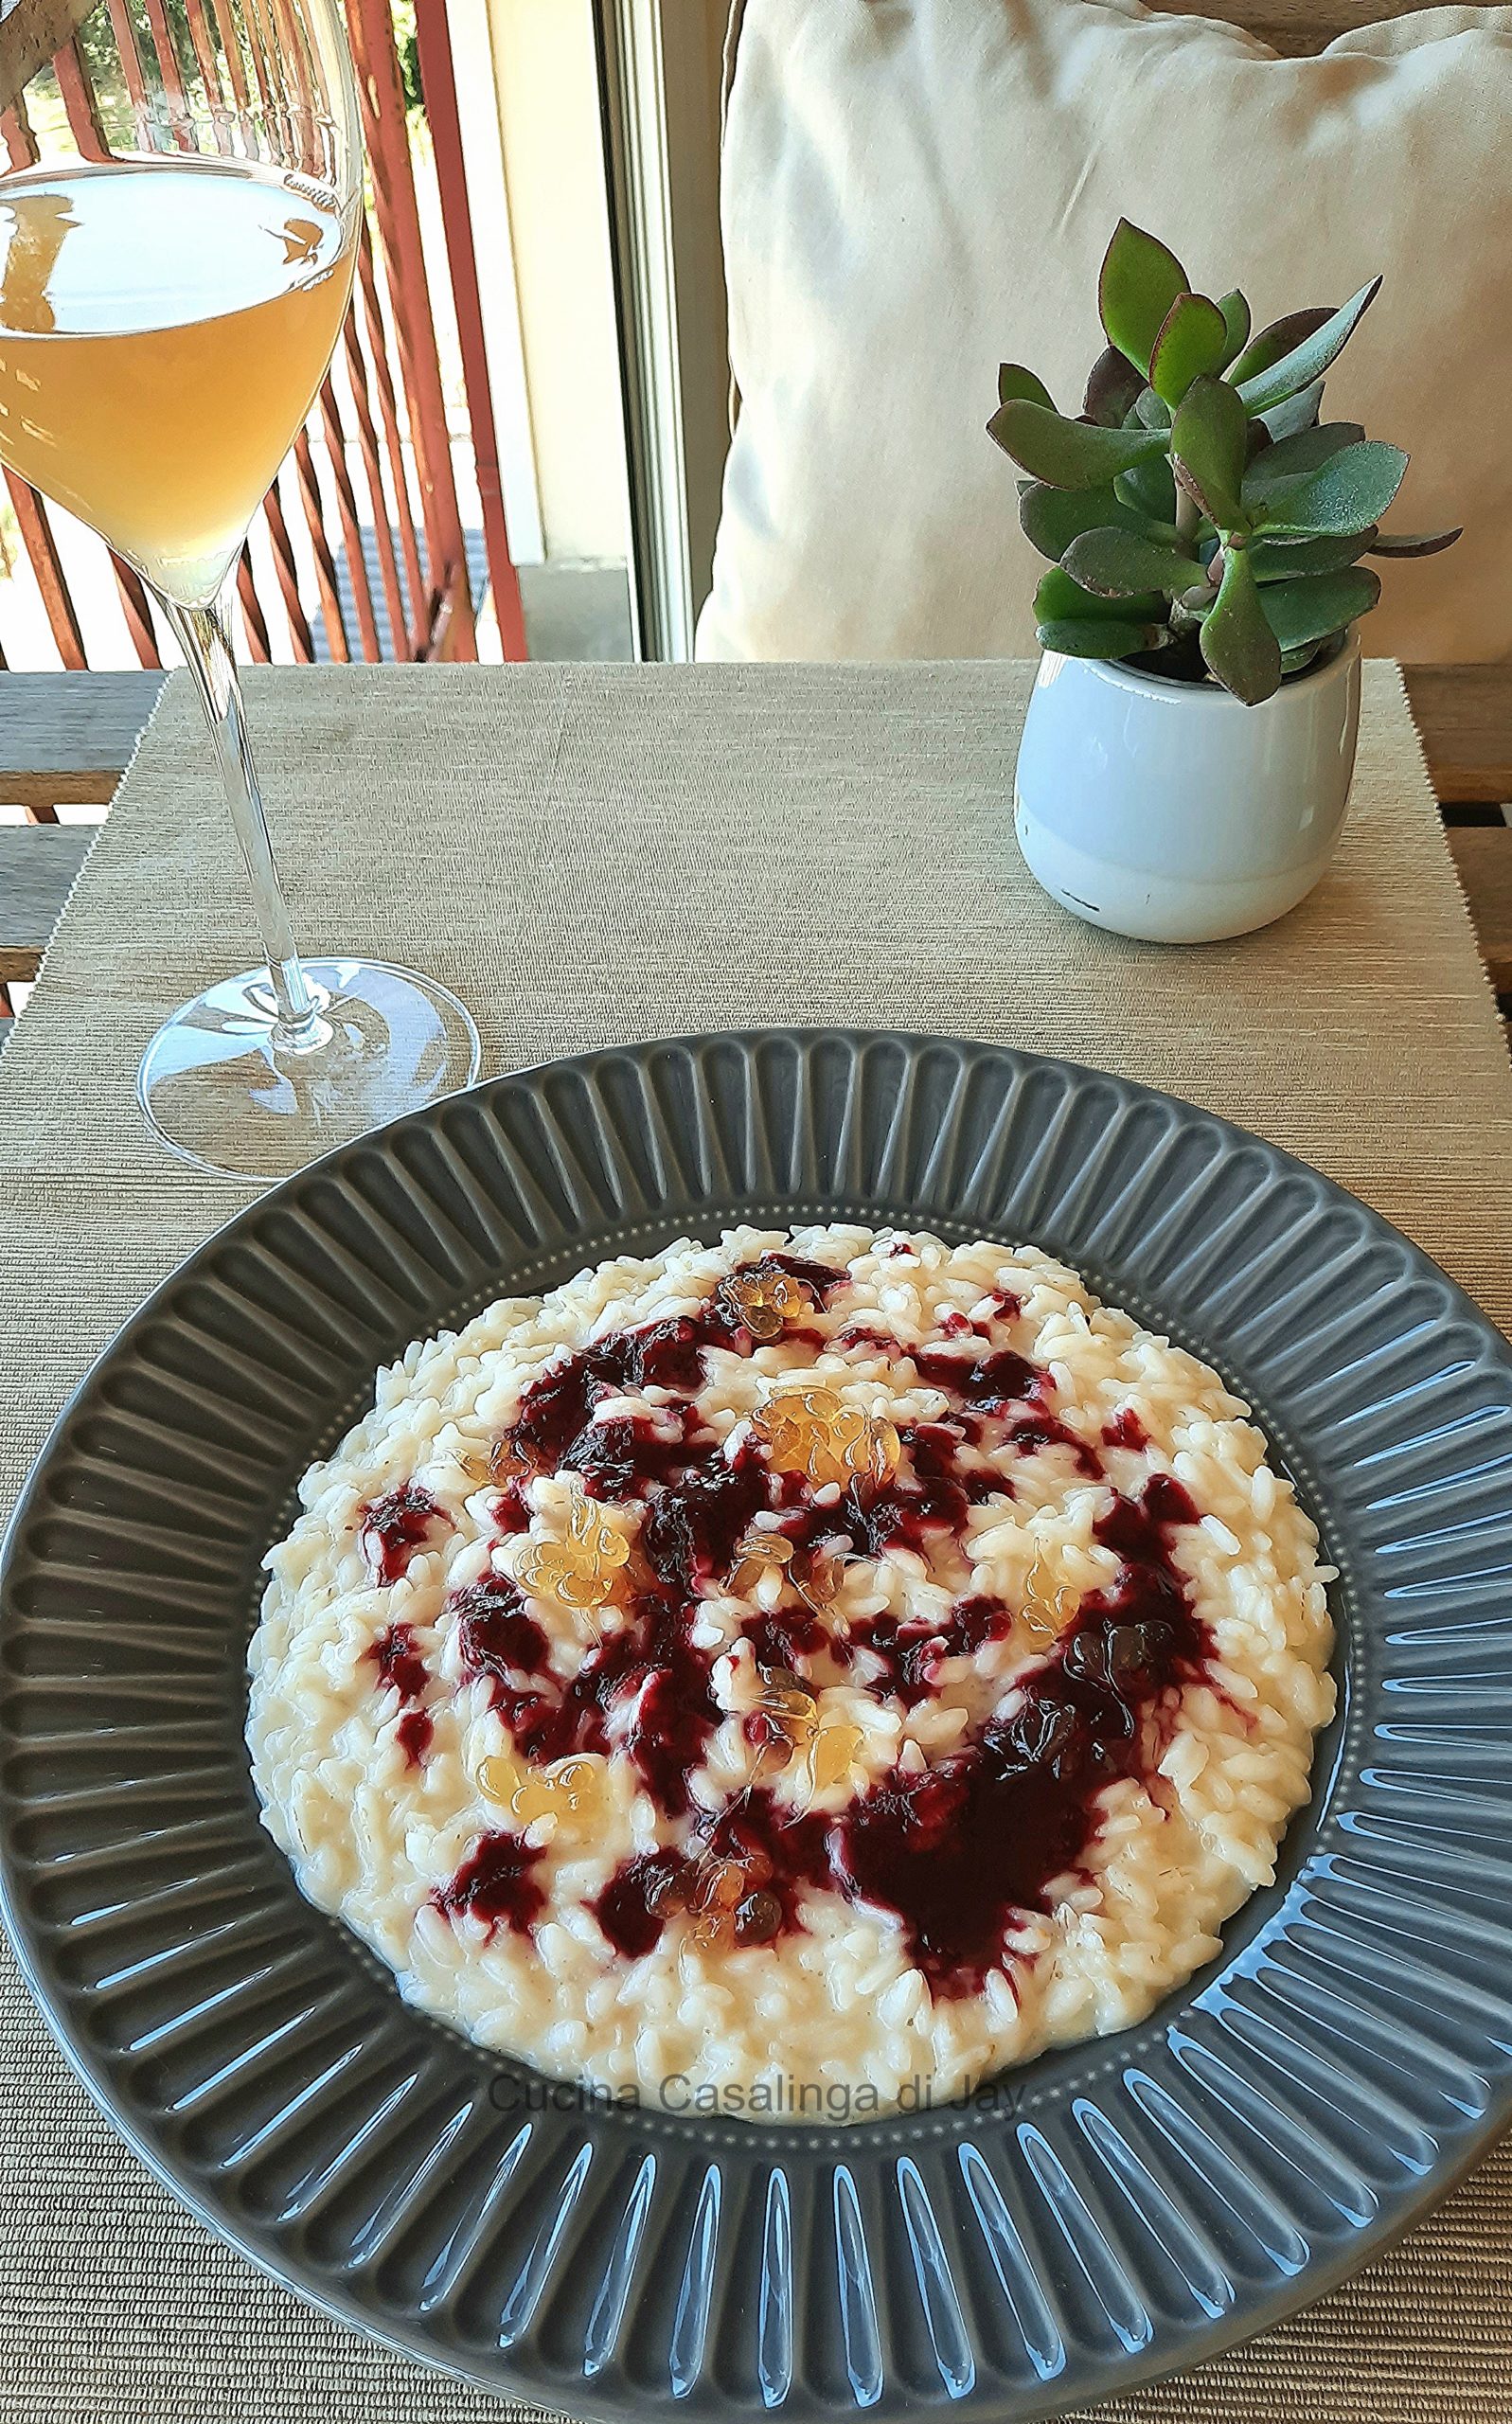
(216, 1091)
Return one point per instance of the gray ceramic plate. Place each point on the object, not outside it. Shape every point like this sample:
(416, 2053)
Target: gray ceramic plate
(1111, 2212)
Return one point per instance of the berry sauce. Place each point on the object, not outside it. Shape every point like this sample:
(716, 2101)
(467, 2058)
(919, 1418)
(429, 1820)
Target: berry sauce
(496, 1635)
(627, 1456)
(990, 1383)
(1008, 1388)
(510, 1512)
(628, 1909)
(399, 1663)
(783, 1636)
(957, 1852)
(391, 1529)
(556, 1411)
(413, 1734)
(902, 1514)
(953, 1854)
(495, 1884)
(785, 1853)
(910, 1653)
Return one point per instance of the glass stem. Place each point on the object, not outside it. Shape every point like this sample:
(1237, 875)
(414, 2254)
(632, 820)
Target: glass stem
(203, 633)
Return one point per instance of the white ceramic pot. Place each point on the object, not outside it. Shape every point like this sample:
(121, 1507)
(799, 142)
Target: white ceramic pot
(1169, 811)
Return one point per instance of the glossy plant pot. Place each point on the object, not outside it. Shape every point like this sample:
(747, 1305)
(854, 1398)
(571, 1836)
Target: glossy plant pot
(1167, 811)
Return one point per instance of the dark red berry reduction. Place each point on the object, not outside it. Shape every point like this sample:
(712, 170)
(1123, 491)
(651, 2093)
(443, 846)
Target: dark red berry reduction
(659, 1355)
(496, 1634)
(957, 1852)
(413, 1734)
(990, 1383)
(784, 1636)
(902, 1514)
(785, 1852)
(399, 1662)
(392, 1528)
(495, 1883)
(630, 1908)
(910, 1653)
(556, 1410)
(1009, 1387)
(510, 1512)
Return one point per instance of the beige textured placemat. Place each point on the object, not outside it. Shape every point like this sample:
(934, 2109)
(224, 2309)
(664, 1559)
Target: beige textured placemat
(588, 854)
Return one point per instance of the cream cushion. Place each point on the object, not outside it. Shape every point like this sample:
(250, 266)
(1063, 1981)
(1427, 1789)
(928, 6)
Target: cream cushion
(915, 190)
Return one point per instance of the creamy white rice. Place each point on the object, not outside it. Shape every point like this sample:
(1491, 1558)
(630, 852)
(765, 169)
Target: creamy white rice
(934, 1667)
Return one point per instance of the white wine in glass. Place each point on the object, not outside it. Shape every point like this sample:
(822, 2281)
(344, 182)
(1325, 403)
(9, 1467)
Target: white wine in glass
(166, 316)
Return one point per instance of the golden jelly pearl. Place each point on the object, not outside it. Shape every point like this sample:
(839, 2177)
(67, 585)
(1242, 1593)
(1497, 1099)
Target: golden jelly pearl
(836, 1750)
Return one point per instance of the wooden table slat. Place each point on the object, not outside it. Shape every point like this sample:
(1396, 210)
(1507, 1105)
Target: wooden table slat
(67, 739)
(1482, 854)
(38, 863)
(1463, 717)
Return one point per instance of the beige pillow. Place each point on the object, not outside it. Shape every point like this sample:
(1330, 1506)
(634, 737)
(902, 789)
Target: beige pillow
(918, 189)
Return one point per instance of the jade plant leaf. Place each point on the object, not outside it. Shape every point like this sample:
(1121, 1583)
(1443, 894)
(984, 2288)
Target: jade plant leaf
(1302, 452)
(1207, 449)
(1192, 344)
(1300, 611)
(1014, 381)
(1352, 489)
(1406, 543)
(1238, 647)
(1113, 389)
(1309, 360)
(1235, 313)
(1151, 411)
(1108, 638)
(1124, 563)
(1149, 491)
(1300, 410)
(1069, 453)
(1289, 559)
(1058, 598)
(1051, 518)
(1293, 659)
(1140, 281)
(1282, 337)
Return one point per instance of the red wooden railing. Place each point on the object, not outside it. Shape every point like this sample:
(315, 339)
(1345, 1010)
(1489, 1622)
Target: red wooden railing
(387, 354)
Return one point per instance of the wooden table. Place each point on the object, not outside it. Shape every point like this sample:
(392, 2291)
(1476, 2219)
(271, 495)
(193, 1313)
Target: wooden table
(65, 739)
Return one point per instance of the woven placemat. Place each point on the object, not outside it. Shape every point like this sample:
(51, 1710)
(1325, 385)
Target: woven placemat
(589, 855)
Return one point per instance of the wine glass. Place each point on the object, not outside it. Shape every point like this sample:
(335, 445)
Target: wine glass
(178, 233)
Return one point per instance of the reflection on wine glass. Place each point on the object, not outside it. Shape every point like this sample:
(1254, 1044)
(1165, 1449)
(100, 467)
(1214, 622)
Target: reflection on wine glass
(167, 311)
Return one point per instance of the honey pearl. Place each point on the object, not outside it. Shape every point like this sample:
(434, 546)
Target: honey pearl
(765, 1299)
(759, 1918)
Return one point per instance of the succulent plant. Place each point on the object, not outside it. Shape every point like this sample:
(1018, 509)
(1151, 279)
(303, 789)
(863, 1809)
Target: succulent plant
(1199, 515)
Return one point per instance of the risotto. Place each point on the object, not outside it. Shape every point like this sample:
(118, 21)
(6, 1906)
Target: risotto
(801, 1673)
